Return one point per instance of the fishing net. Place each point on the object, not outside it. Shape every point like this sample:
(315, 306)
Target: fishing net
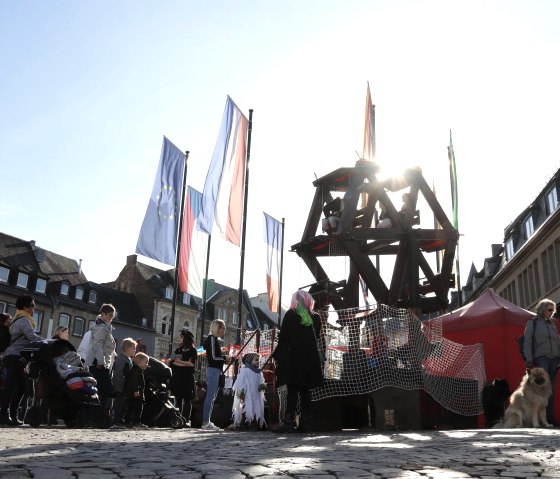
(372, 348)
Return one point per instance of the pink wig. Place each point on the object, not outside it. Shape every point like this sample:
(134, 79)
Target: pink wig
(303, 297)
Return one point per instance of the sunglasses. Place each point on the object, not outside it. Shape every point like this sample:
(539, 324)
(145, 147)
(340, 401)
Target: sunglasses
(550, 310)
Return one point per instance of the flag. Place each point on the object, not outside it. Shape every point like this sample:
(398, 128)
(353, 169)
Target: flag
(368, 150)
(453, 180)
(194, 246)
(273, 240)
(365, 292)
(222, 197)
(158, 235)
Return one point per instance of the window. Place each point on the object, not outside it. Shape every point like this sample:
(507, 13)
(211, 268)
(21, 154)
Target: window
(551, 200)
(22, 280)
(169, 292)
(64, 320)
(90, 323)
(165, 325)
(41, 285)
(509, 249)
(528, 227)
(235, 318)
(64, 289)
(92, 297)
(4, 273)
(222, 314)
(2, 307)
(144, 322)
(38, 317)
(79, 292)
(78, 329)
(186, 298)
(11, 310)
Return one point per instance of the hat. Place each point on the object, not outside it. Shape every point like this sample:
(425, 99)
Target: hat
(187, 333)
(248, 358)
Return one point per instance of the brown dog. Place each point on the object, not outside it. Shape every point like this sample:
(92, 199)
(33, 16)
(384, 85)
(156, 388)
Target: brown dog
(527, 404)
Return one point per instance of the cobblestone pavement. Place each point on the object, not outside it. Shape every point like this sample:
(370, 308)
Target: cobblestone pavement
(61, 453)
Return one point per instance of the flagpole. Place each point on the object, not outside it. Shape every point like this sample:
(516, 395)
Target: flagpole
(459, 292)
(244, 226)
(205, 291)
(436, 226)
(178, 252)
(281, 273)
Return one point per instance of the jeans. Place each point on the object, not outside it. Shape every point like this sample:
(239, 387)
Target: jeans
(119, 408)
(212, 378)
(550, 365)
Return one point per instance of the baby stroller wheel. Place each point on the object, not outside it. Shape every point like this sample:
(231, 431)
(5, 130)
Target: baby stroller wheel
(34, 416)
(184, 421)
(176, 422)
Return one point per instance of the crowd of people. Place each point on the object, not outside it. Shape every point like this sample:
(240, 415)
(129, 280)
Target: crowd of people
(121, 379)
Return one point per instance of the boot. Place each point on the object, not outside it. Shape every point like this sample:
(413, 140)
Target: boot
(5, 419)
(304, 423)
(15, 421)
(288, 425)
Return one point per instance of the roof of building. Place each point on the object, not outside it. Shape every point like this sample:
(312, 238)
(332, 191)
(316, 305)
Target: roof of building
(129, 310)
(29, 258)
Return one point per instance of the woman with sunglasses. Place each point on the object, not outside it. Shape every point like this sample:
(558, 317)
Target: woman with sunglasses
(542, 346)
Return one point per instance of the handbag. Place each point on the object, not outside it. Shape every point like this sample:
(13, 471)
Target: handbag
(222, 380)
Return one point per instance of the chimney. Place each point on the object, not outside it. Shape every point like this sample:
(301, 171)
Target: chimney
(80, 267)
(496, 249)
(131, 259)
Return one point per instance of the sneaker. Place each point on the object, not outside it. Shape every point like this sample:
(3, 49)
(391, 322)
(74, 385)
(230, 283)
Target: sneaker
(118, 425)
(139, 425)
(210, 427)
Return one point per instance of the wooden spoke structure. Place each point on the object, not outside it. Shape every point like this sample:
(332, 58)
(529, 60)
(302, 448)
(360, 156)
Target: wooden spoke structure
(355, 238)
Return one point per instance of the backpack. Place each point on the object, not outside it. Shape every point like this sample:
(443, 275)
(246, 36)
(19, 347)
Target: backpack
(521, 341)
(5, 339)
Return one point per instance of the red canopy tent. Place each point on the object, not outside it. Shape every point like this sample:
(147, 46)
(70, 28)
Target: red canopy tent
(494, 322)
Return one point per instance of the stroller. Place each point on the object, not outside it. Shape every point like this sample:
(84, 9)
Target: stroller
(159, 408)
(60, 383)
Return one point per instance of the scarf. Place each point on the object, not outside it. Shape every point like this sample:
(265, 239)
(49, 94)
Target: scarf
(304, 314)
(25, 314)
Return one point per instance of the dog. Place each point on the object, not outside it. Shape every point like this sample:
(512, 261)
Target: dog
(527, 405)
(494, 397)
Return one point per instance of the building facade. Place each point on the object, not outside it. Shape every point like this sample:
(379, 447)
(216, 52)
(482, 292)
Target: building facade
(526, 268)
(62, 293)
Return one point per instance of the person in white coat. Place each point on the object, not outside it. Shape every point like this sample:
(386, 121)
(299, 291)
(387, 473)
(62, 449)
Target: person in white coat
(249, 387)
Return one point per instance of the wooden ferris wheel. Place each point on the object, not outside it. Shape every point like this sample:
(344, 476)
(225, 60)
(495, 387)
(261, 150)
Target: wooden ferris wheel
(413, 282)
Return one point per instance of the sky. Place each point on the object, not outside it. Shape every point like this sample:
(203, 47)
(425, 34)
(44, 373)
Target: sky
(88, 89)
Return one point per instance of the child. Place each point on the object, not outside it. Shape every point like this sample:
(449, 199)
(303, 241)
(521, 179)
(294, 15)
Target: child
(122, 367)
(134, 391)
(249, 393)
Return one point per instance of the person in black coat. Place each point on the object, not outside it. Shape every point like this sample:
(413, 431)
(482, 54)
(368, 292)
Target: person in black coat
(134, 385)
(299, 364)
(182, 379)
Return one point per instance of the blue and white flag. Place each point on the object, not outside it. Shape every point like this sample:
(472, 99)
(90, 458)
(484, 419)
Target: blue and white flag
(158, 235)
